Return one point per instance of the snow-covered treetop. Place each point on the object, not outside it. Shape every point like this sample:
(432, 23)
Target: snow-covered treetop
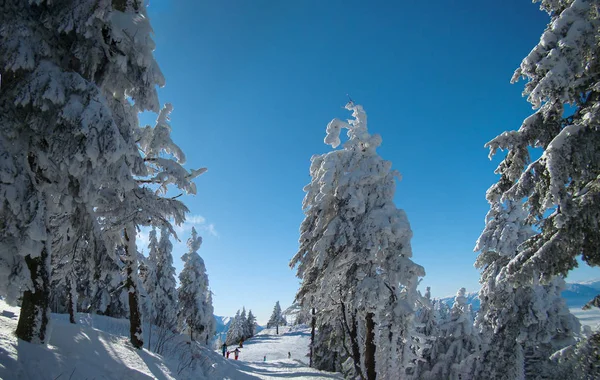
(194, 242)
(358, 135)
(351, 220)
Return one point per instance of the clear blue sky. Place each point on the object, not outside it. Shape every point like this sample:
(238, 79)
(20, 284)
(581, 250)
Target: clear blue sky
(254, 83)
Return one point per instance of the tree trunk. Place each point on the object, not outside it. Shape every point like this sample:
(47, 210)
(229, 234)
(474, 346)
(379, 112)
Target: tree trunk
(70, 306)
(313, 323)
(370, 348)
(353, 335)
(277, 329)
(135, 323)
(34, 316)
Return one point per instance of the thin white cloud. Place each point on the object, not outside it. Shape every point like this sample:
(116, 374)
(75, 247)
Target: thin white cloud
(195, 219)
(199, 222)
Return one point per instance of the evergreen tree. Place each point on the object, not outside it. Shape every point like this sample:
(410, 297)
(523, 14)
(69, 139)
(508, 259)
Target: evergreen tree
(58, 135)
(195, 301)
(277, 319)
(427, 328)
(355, 255)
(521, 325)
(250, 327)
(161, 284)
(236, 330)
(561, 188)
(457, 347)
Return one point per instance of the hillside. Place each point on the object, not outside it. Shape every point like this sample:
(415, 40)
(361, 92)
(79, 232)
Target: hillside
(97, 347)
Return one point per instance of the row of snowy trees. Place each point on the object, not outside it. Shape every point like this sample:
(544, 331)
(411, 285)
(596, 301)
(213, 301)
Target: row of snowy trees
(78, 174)
(241, 328)
(169, 309)
(354, 260)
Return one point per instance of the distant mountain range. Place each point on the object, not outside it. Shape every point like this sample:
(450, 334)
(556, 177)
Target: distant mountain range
(576, 295)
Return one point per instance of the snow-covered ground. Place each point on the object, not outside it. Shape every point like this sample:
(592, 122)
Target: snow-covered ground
(98, 348)
(267, 344)
(588, 317)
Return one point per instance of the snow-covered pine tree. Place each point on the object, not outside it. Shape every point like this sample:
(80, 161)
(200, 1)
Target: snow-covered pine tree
(355, 254)
(427, 329)
(144, 203)
(236, 330)
(243, 321)
(195, 310)
(516, 321)
(457, 347)
(250, 326)
(561, 188)
(276, 319)
(161, 284)
(58, 134)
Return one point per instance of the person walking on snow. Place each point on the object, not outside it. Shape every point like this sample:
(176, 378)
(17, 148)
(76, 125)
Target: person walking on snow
(236, 352)
(224, 348)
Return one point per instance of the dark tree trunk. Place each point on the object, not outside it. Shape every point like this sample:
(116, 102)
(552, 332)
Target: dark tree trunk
(70, 306)
(370, 348)
(277, 329)
(351, 330)
(34, 316)
(135, 321)
(313, 323)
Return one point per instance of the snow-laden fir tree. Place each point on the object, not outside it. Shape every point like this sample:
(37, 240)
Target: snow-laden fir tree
(250, 326)
(355, 254)
(59, 136)
(195, 310)
(277, 319)
(236, 329)
(561, 188)
(164, 292)
(244, 320)
(457, 347)
(144, 203)
(521, 325)
(160, 286)
(427, 321)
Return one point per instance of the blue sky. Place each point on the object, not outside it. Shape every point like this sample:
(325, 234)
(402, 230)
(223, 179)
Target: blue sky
(254, 84)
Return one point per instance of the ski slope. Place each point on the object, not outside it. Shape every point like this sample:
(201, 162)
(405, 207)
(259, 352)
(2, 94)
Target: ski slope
(275, 348)
(98, 347)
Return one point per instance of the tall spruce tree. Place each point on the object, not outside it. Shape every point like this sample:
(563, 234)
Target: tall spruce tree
(561, 188)
(235, 333)
(355, 255)
(195, 301)
(521, 325)
(250, 327)
(276, 319)
(59, 137)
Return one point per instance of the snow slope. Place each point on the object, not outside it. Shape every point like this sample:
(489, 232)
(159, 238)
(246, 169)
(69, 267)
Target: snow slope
(97, 347)
(294, 340)
(85, 351)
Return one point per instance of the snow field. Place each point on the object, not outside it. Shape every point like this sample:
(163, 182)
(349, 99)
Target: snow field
(294, 340)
